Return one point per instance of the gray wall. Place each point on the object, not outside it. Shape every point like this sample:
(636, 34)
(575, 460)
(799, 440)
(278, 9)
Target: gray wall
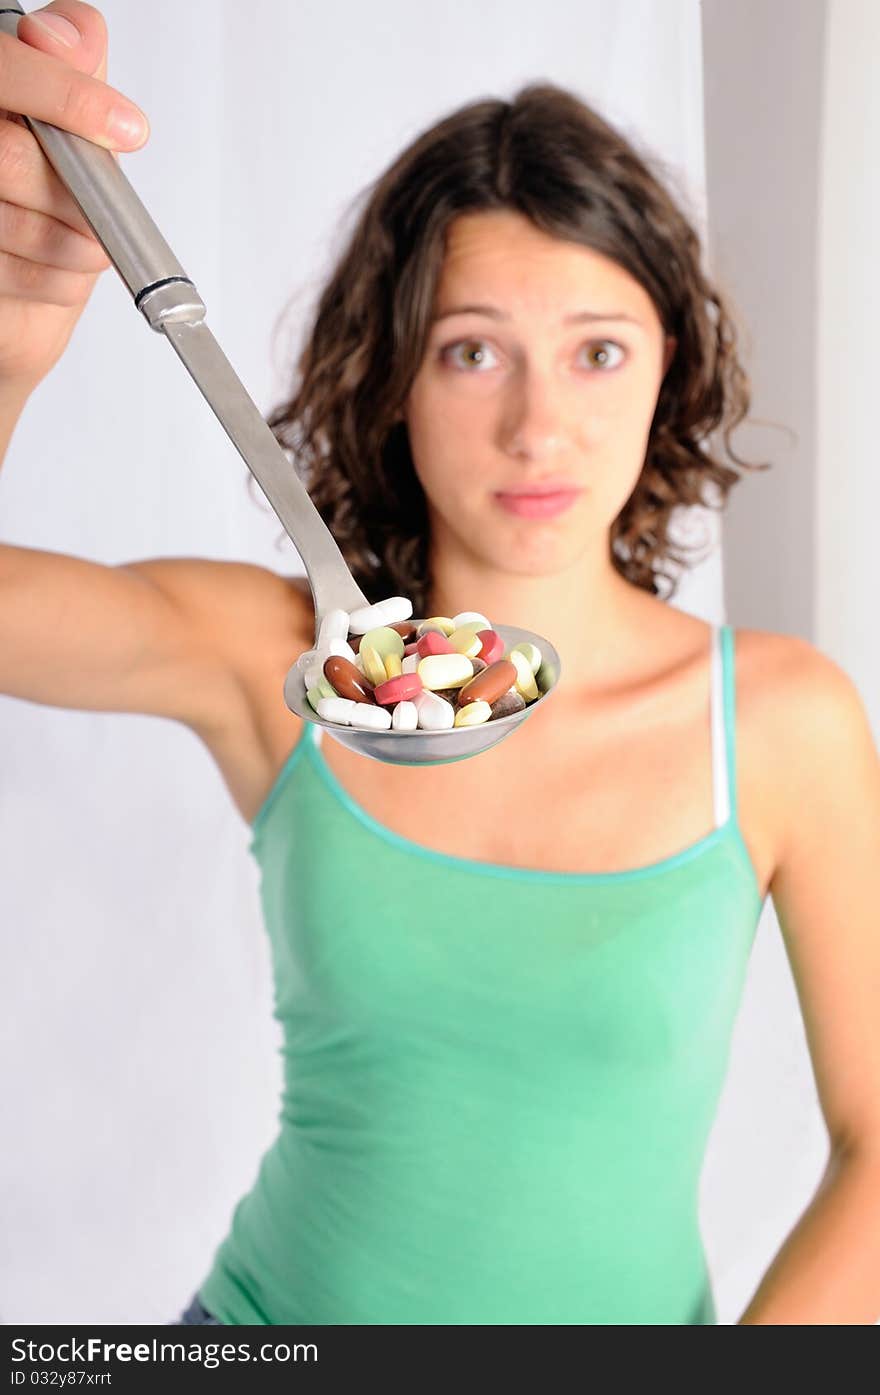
(763, 102)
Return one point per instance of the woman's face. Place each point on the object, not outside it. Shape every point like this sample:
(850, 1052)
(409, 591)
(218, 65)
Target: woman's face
(519, 392)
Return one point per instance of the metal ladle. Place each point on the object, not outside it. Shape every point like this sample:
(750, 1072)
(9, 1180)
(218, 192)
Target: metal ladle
(172, 306)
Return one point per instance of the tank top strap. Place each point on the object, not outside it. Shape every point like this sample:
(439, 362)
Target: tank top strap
(723, 724)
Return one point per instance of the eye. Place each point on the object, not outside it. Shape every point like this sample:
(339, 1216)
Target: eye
(601, 346)
(476, 353)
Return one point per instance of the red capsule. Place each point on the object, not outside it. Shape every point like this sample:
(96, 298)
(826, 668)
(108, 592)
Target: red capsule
(403, 688)
(433, 643)
(493, 646)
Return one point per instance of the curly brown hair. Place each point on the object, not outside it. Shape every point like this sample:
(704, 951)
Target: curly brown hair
(548, 155)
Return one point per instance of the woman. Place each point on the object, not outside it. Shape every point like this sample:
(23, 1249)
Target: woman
(507, 985)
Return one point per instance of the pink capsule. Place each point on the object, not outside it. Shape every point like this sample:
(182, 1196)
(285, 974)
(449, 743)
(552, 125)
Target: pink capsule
(403, 688)
(433, 643)
(411, 648)
(493, 646)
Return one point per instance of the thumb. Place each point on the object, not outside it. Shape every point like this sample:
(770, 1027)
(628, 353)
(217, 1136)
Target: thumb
(71, 31)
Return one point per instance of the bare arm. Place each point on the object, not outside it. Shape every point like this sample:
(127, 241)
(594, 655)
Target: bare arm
(171, 637)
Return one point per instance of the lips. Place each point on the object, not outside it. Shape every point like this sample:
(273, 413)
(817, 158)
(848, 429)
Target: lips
(538, 505)
(537, 489)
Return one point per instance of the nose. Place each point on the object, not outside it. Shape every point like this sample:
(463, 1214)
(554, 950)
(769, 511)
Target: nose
(533, 418)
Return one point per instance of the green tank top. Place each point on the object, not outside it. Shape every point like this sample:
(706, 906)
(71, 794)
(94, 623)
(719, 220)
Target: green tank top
(499, 1085)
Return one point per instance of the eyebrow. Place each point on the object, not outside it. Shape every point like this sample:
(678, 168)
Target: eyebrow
(580, 317)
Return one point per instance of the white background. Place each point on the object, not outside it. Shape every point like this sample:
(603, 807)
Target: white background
(140, 1066)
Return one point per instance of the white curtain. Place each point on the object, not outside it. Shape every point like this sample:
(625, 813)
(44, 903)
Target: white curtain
(140, 1064)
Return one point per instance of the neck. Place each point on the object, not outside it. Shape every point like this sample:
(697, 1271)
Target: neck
(589, 612)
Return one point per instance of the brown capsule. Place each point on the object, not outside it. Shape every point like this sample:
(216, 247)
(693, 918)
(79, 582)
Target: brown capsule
(405, 628)
(348, 680)
(489, 685)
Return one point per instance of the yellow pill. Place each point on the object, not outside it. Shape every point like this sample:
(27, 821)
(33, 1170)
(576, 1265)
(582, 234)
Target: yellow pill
(473, 714)
(525, 680)
(393, 665)
(445, 671)
(465, 641)
(374, 666)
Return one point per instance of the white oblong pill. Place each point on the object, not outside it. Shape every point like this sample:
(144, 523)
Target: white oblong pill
(370, 718)
(333, 626)
(471, 617)
(342, 648)
(405, 716)
(410, 664)
(337, 709)
(387, 612)
(395, 609)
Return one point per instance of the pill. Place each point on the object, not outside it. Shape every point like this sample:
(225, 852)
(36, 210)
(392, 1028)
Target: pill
(531, 652)
(384, 613)
(404, 688)
(405, 717)
(374, 666)
(439, 624)
(384, 640)
(507, 704)
(336, 709)
(525, 679)
(492, 645)
(434, 713)
(433, 643)
(348, 680)
(320, 690)
(370, 718)
(465, 641)
(473, 715)
(546, 677)
(379, 668)
(468, 617)
(334, 625)
(489, 685)
(445, 670)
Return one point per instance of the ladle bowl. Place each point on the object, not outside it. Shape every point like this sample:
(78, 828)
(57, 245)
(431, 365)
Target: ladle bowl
(428, 747)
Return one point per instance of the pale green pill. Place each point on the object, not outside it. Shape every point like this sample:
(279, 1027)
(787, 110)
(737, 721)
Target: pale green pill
(532, 653)
(322, 689)
(385, 641)
(546, 677)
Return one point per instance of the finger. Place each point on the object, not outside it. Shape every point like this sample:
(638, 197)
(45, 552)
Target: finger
(22, 279)
(26, 233)
(27, 179)
(39, 85)
(83, 46)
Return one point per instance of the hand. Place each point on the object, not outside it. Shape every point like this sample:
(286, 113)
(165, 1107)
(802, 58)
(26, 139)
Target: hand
(49, 257)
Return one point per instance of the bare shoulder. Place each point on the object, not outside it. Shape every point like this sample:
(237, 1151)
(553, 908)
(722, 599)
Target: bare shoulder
(791, 677)
(802, 718)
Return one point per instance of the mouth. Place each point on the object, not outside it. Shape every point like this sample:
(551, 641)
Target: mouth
(543, 505)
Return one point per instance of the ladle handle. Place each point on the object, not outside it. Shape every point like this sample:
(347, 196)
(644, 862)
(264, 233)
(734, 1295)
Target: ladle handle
(169, 301)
